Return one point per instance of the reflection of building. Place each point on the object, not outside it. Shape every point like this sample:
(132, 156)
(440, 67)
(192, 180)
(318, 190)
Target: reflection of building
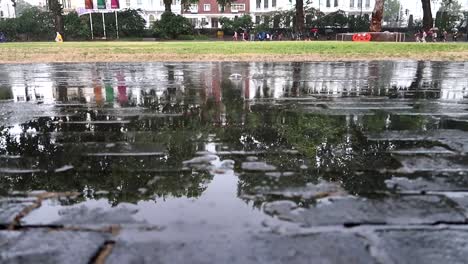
(36, 88)
(197, 84)
(333, 79)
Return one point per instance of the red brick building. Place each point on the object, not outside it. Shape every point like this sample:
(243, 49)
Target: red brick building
(206, 13)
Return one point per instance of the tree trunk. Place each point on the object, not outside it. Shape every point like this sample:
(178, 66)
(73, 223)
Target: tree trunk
(57, 11)
(377, 16)
(167, 5)
(300, 16)
(428, 21)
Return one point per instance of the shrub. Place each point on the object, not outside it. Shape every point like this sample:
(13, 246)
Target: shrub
(172, 26)
(238, 23)
(76, 28)
(131, 23)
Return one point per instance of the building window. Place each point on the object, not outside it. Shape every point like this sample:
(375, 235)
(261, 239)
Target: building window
(265, 4)
(276, 21)
(237, 7)
(207, 7)
(351, 3)
(1, 13)
(203, 22)
(152, 19)
(367, 3)
(287, 21)
(273, 3)
(259, 4)
(359, 3)
(127, 2)
(328, 3)
(139, 2)
(214, 23)
(336, 3)
(193, 8)
(258, 20)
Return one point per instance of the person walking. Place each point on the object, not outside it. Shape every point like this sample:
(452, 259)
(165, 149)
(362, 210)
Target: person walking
(424, 36)
(59, 38)
(417, 36)
(235, 37)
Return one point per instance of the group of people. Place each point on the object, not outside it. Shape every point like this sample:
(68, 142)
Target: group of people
(433, 36)
(261, 36)
(277, 35)
(244, 36)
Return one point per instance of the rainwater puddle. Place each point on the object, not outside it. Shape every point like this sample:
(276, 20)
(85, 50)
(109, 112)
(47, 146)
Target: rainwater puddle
(206, 146)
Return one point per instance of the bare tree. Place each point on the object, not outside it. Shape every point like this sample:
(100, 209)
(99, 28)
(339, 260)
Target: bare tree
(377, 16)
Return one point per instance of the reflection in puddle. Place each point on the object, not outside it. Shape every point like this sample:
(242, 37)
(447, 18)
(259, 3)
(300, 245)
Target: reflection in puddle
(208, 144)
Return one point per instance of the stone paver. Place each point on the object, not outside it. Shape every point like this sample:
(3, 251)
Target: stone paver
(163, 248)
(11, 207)
(424, 246)
(417, 209)
(49, 246)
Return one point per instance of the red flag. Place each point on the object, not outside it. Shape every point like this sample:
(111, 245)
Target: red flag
(115, 4)
(89, 4)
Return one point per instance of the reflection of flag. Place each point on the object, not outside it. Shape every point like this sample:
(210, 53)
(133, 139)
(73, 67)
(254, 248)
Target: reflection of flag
(115, 4)
(101, 4)
(122, 89)
(109, 93)
(89, 4)
(98, 94)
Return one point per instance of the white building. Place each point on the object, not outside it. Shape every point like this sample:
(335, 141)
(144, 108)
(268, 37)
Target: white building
(37, 3)
(6, 9)
(350, 7)
(261, 8)
(151, 9)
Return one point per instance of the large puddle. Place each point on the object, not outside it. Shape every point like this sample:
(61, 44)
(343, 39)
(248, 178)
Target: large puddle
(218, 145)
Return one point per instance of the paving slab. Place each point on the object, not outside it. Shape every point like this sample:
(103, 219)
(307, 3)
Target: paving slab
(431, 182)
(11, 207)
(405, 210)
(165, 247)
(424, 246)
(91, 214)
(49, 246)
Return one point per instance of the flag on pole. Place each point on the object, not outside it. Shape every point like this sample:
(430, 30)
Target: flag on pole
(89, 4)
(101, 4)
(115, 4)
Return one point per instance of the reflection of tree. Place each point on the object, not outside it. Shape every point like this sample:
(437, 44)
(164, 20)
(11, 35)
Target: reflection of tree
(45, 147)
(333, 149)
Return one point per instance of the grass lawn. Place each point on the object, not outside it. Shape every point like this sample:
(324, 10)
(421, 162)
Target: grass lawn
(228, 51)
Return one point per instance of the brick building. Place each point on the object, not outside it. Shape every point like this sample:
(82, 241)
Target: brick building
(206, 13)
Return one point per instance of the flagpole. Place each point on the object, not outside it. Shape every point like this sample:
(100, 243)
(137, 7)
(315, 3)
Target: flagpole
(104, 25)
(117, 24)
(91, 24)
